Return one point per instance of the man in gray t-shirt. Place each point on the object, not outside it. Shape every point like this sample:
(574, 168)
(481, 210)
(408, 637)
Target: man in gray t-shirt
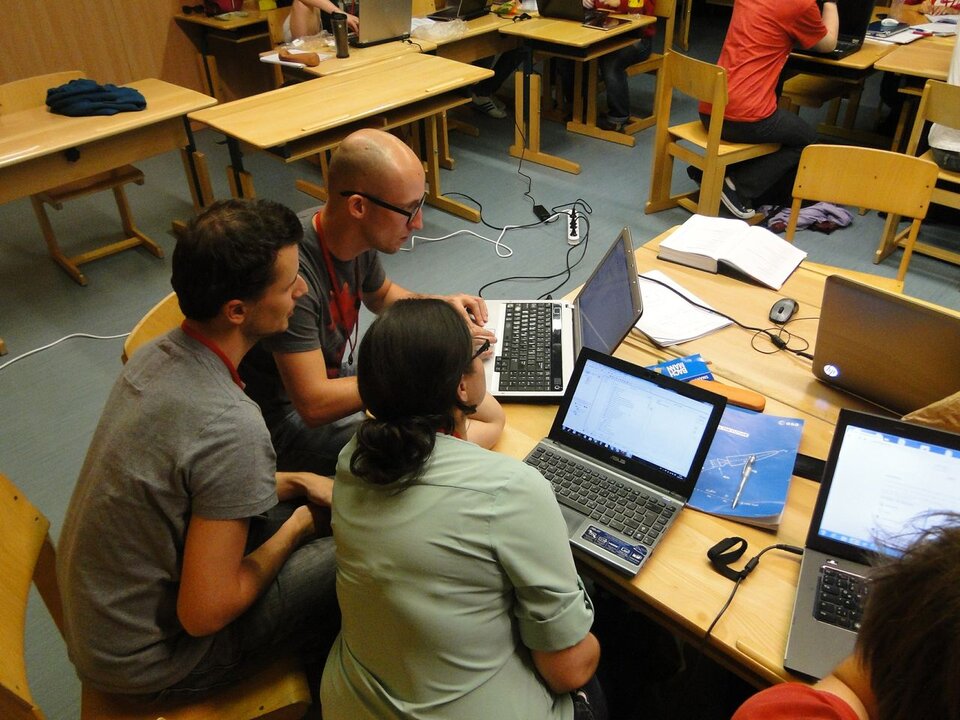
(302, 379)
(179, 570)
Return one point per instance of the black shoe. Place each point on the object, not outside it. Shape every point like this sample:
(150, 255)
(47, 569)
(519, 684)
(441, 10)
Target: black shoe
(733, 202)
(695, 174)
(605, 123)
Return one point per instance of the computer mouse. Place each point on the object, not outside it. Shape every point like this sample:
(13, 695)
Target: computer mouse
(889, 22)
(783, 309)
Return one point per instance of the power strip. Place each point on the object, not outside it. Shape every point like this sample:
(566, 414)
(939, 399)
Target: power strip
(573, 227)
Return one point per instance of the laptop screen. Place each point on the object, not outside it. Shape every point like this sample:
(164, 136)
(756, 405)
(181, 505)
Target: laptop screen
(605, 305)
(651, 426)
(854, 16)
(885, 484)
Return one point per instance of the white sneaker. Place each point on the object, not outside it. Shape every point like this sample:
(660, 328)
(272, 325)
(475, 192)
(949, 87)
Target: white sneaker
(487, 106)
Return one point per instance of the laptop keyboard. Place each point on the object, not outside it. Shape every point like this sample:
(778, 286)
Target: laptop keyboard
(609, 501)
(530, 358)
(840, 597)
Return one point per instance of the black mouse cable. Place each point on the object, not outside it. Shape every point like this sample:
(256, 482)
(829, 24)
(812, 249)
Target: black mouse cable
(480, 208)
(776, 339)
(565, 273)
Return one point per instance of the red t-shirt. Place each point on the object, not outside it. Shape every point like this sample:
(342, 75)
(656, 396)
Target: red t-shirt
(794, 701)
(760, 37)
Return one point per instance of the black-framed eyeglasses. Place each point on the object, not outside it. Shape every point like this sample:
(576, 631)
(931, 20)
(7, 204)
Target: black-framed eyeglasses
(409, 214)
(484, 346)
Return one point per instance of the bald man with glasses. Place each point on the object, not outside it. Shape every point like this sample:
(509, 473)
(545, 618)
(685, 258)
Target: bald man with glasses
(303, 379)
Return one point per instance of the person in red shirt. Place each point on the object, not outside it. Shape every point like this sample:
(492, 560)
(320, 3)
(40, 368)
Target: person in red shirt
(760, 37)
(907, 658)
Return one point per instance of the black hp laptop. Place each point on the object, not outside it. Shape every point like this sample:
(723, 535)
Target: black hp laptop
(464, 10)
(539, 339)
(574, 10)
(885, 481)
(854, 18)
(624, 454)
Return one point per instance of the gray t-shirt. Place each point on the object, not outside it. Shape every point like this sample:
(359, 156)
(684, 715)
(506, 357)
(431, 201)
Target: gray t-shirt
(319, 321)
(445, 586)
(177, 438)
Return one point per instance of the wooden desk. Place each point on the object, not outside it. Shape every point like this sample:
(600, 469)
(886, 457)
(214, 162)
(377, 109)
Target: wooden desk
(676, 587)
(482, 39)
(304, 119)
(40, 149)
(227, 51)
(569, 40)
(927, 58)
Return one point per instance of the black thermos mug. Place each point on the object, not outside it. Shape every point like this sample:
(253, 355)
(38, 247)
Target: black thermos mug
(339, 22)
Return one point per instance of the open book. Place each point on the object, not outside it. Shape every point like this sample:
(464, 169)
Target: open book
(705, 242)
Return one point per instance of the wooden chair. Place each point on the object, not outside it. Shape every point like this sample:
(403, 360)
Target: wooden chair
(704, 150)
(31, 92)
(278, 692)
(163, 316)
(939, 103)
(814, 91)
(865, 177)
(665, 10)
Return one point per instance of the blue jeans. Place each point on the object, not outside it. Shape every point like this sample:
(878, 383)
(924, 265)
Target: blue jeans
(297, 613)
(613, 70)
(768, 178)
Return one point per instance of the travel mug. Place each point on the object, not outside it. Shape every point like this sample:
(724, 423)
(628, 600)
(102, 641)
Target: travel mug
(339, 22)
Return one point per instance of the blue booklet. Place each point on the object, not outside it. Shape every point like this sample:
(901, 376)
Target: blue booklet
(687, 368)
(750, 461)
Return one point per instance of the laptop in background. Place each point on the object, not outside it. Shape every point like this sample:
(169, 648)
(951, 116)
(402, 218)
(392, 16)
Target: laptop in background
(383, 21)
(896, 352)
(885, 482)
(854, 18)
(539, 340)
(464, 10)
(574, 10)
(623, 455)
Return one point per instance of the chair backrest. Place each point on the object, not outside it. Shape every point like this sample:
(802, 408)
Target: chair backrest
(699, 80)
(31, 92)
(163, 316)
(940, 103)
(867, 178)
(422, 8)
(26, 555)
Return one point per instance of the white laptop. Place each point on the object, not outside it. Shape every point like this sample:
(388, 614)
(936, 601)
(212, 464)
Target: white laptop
(624, 454)
(885, 481)
(538, 340)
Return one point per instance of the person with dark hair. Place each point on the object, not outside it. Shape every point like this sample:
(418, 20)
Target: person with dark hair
(303, 379)
(456, 582)
(186, 561)
(907, 657)
(761, 35)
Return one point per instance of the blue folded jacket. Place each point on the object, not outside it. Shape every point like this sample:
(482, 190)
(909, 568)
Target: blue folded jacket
(83, 97)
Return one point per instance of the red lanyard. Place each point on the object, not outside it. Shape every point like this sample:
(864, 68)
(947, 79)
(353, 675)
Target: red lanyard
(215, 349)
(344, 304)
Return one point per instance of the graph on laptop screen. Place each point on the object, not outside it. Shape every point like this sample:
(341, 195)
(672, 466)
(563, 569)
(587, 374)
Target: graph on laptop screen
(636, 418)
(887, 489)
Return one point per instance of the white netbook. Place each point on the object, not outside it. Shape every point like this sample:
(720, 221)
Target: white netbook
(885, 481)
(539, 340)
(383, 21)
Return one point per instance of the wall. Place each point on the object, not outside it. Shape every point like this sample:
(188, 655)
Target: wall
(113, 41)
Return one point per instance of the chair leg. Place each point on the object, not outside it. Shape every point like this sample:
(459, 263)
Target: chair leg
(889, 239)
(53, 247)
(131, 230)
(709, 203)
(908, 250)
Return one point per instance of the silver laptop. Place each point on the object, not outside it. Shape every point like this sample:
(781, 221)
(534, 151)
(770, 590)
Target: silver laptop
(854, 17)
(891, 350)
(383, 21)
(538, 340)
(885, 481)
(463, 10)
(624, 454)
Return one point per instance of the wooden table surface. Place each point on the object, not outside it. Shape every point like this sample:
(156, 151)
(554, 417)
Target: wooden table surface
(927, 58)
(677, 586)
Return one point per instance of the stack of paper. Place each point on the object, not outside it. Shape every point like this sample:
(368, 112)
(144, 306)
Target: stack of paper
(668, 318)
